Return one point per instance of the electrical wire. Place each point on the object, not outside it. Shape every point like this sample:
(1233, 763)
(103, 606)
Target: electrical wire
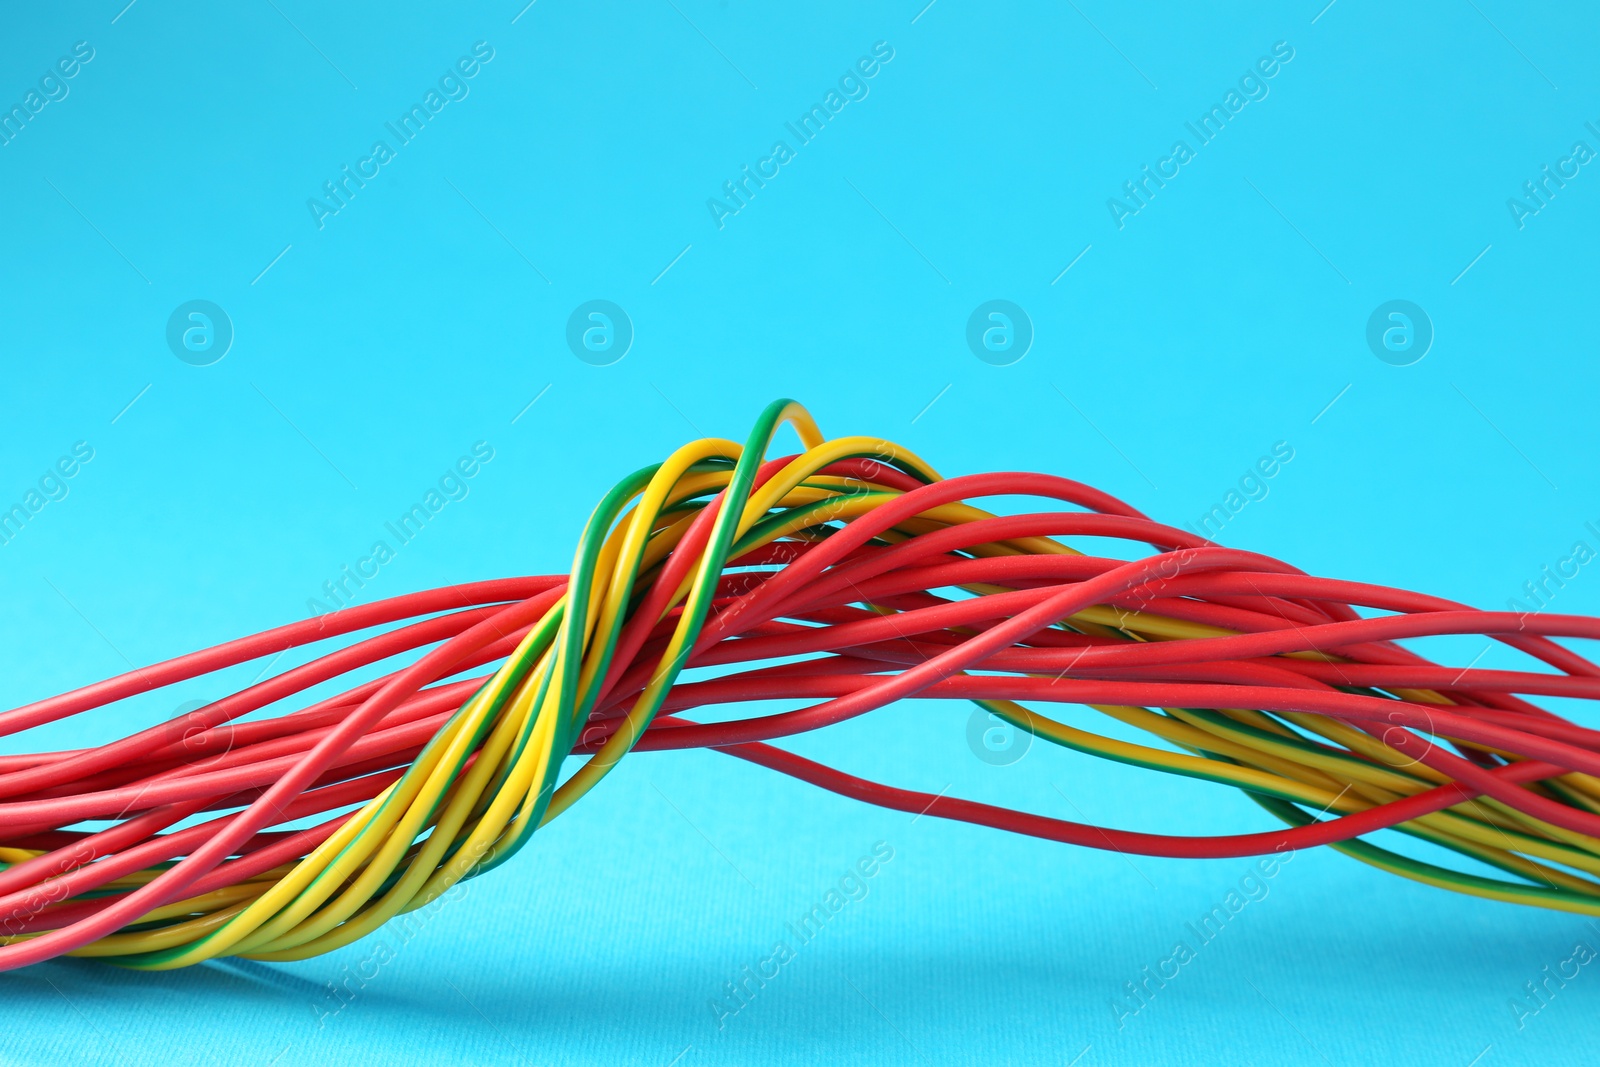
(848, 576)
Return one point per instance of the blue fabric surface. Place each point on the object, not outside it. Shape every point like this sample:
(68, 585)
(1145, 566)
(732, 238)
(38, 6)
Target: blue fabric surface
(1160, 335)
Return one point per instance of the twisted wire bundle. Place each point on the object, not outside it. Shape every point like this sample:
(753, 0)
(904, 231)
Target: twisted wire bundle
(278, 838)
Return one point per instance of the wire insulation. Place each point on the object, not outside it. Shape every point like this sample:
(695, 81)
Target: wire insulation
(848, 577)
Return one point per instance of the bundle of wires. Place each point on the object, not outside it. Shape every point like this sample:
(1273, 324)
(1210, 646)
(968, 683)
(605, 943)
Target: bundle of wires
(845, 577)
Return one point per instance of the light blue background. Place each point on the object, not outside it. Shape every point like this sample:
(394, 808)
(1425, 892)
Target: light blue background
(428, 313)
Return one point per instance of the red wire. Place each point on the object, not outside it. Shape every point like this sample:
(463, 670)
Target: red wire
(777, 601)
